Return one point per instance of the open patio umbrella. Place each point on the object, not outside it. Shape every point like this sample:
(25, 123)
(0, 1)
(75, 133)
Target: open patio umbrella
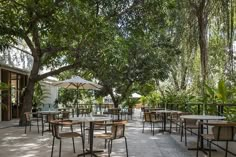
(77, 83)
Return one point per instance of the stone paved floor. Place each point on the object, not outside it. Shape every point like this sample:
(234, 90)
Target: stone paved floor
(14, 143)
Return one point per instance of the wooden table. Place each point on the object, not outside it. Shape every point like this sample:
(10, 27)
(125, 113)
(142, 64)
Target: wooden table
(90, 120)
(201, 118)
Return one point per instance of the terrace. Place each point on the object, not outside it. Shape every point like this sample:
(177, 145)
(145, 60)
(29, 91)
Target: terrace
(13, 142)
(82, 67)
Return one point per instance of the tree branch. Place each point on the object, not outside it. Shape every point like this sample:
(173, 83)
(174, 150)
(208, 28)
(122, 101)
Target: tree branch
(57, 71)
(20, 49)
(54, 50)
(30, 45)
(36, 39)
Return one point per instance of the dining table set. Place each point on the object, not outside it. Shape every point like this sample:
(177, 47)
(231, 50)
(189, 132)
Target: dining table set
(183, 117)
(90, 119)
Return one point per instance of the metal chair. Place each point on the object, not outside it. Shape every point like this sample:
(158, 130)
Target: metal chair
(221, 131)
(117, 132)
(56, 134)
(175, 119)
(152, 118)
(29, 119)
(188, 125)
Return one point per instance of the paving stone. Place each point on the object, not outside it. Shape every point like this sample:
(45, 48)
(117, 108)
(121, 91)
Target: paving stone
(14, 143)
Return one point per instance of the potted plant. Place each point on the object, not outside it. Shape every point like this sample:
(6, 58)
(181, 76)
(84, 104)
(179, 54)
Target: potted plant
(40, 93)
(3, 87)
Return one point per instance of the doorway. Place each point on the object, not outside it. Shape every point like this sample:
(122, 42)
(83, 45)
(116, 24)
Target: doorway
(12, 97)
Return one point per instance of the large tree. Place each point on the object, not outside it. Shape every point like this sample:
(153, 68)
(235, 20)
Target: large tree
(137, 50)
(55, 32)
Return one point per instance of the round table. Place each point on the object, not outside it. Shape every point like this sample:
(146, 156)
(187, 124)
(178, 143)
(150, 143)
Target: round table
(50, 115)
(90, 120)
(201, 118)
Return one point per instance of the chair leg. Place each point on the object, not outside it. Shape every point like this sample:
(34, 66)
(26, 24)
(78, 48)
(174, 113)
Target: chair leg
(176, 129)
(111, 147)
(126, 146)
(30, 126)
(185, 136)
(143, 127)
(105, 145)
(226, 149)
(82, 138)
(210, 149)
(73, 141)
(182, 132)
(153, 125)
(60, 149)
(38, 125)
(52, 146)
(198, 137)
(25, 126)
(42, 126)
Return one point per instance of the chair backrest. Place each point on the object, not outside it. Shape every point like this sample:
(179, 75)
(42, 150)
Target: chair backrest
(115, 111)
(65, 114)
(149, 116)
(190, 122)
(175, 115)
(27, 116)
(118, 129)
(50, 117)
(55, 126)
(224, 133)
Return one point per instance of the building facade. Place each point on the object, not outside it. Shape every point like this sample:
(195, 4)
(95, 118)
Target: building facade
(15, 67)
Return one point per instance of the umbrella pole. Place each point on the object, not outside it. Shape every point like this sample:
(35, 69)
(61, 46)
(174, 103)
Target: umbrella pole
(77, 96)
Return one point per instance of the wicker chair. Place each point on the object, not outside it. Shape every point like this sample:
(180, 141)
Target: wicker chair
(221, 131)
(175, 119)
(188, 125)
(29, 119)
(65, 115)
(56, 134)
(152, 118)
(117, 132)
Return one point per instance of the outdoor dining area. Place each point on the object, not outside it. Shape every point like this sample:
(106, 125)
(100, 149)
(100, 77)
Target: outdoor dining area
(174, 133)
(120, 78)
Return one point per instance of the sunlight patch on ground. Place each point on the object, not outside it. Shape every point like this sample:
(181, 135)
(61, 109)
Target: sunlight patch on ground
(154, 138)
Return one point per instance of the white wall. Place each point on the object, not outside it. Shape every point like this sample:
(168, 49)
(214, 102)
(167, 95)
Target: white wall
(51, 96)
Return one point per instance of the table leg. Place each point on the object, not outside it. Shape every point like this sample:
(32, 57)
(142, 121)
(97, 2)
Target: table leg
(90, 151)
(164, 121)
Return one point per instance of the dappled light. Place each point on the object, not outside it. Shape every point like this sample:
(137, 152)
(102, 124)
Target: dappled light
(14, 143)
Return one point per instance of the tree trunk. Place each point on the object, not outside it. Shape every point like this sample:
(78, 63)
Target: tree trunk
(115, 100)
(202, 17)
(202, 25)
(27, 101)
(29, 91)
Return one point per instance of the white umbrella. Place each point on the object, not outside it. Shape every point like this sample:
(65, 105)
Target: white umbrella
(77, 83)
(136, 95)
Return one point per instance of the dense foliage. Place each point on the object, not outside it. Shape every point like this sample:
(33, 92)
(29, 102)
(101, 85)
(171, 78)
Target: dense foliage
(169, 51)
